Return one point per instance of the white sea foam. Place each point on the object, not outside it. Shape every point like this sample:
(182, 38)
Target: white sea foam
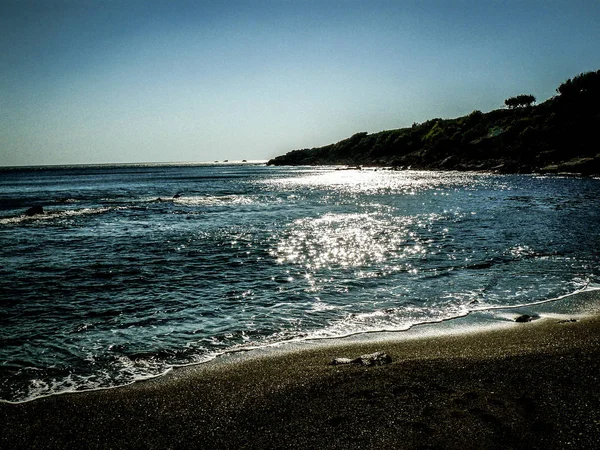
(374, 323)
(222, 200)
(123, 371)
(56, 214)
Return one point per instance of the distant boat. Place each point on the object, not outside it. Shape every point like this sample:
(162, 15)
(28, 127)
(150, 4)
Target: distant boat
(225, 160)
(243, 160)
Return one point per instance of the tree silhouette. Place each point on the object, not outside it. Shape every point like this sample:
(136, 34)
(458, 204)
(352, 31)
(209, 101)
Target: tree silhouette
(587, 82)
(519, 100)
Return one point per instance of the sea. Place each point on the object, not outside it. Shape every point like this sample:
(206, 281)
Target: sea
(133, 270)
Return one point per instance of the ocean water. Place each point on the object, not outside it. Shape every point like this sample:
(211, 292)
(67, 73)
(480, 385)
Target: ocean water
(136, 269)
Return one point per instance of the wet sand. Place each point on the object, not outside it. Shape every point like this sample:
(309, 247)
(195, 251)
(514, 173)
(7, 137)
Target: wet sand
(531, 385)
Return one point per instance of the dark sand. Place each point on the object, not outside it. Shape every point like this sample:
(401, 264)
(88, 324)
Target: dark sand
(533, 385)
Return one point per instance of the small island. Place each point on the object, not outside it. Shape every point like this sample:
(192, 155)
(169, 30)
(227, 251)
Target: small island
(556, 136)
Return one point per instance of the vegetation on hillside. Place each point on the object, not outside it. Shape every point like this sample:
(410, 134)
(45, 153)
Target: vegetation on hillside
(558, 135)
(519, 100)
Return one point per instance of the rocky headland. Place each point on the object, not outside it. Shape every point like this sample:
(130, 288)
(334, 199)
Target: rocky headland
(558, 135)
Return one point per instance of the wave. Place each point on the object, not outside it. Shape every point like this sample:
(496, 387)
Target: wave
(139, 203)
(141, 367)
(107, 204)
(52, 215)
(210, 200)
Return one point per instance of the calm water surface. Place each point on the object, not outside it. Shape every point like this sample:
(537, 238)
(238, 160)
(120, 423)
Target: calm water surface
(120, 281)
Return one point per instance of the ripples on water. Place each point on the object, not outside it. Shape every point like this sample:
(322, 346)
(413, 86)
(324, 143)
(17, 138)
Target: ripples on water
(120, 281)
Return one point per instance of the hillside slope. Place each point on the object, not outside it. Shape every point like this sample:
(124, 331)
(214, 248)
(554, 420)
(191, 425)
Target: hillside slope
(558, 135)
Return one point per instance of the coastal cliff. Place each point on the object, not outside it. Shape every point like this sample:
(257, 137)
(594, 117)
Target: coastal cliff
(558, 135)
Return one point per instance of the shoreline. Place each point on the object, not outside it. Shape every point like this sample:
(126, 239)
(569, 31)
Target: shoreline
(580, 303)
(531, 385)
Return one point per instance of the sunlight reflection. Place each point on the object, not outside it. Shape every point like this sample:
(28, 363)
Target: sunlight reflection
(349, 240)
(372, 180)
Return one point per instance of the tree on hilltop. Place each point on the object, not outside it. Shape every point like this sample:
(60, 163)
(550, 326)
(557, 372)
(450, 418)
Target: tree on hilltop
(587, 82)
(519, 100)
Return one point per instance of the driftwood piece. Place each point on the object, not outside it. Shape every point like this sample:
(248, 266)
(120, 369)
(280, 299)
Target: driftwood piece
(372, 359)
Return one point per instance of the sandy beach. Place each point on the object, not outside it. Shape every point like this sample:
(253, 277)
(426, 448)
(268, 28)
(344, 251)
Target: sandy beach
(529, 385)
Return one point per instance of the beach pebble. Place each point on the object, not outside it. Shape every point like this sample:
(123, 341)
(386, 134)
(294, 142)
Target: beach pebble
(567, 321)
(372, 359)
(338, 361)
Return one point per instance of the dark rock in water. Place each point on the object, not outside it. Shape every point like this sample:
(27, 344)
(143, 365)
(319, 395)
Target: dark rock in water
(372, 359)
(34, 211)
(524, 318)
(177, 195)
(159, 200)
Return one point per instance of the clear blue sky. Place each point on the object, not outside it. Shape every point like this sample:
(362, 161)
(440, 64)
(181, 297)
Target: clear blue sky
(91, 81)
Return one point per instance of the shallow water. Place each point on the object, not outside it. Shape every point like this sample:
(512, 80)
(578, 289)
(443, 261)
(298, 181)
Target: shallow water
(113, 285)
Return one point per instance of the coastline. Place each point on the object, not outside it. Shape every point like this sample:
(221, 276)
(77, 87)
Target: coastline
(547, 138)
(532, 385)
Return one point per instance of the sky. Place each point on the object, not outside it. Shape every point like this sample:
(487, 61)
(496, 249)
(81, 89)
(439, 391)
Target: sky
(126, 81)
